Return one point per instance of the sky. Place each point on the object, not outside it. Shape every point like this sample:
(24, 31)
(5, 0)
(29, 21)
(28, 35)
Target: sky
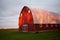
(10, 10)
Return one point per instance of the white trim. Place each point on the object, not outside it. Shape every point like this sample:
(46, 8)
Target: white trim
(25, 24)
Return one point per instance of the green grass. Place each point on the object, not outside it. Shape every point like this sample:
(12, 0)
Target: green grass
(16, 35)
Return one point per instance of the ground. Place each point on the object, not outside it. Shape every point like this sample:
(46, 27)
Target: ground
(16, 35)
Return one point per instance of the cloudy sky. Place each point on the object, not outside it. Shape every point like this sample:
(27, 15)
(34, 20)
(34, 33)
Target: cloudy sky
(9, 10)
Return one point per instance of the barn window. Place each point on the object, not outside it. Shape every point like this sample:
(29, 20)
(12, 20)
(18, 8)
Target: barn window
(51, 25)
(41, 26)
(46, 25)
(21, 14)
(55, 25)
(28, 11)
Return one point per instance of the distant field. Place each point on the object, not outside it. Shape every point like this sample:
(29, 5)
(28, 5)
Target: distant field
(16, 35)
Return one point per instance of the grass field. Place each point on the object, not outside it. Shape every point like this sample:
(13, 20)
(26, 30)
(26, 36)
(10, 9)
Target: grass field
(16, 35)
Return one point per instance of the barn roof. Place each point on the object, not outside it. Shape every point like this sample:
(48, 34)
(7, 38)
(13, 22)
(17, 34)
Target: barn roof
(41, 16)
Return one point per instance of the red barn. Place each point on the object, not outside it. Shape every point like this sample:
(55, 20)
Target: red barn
(36, 20)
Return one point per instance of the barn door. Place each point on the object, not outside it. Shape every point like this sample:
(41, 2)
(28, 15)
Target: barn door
(25, 28)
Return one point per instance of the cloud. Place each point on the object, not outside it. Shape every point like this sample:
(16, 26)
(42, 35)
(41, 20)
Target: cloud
(9, 13)
(9, 9)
